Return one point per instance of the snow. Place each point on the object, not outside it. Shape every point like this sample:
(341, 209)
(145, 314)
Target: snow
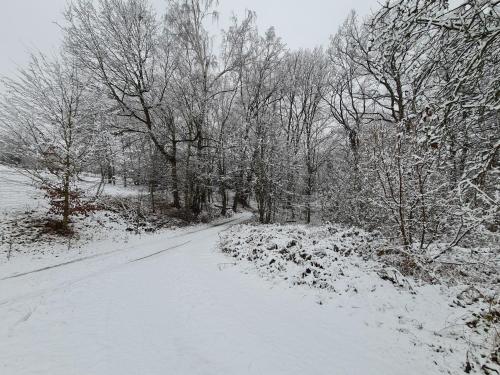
(188, 310)
(173, 313)
(305, 255)
(90, 183)
(17, 192)
(171, 302)
(339, 263)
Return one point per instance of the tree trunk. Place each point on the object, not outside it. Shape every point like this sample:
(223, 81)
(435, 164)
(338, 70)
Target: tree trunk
(309, 195)
(66, 204)
(175, 178)
(152, 194)
(223, 194)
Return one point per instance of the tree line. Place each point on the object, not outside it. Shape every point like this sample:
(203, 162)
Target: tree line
(393, 125)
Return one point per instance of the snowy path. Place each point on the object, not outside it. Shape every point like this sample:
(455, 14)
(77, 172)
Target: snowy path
(147, 311)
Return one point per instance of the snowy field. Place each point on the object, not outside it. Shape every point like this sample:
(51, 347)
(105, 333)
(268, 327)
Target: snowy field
(275, 300)
(17, 192)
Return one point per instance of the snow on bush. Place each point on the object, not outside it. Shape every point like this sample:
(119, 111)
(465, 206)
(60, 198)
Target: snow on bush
(318, 256)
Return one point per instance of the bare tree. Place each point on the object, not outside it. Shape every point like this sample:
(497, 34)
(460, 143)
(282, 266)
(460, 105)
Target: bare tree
(119, 42)
(49, 115)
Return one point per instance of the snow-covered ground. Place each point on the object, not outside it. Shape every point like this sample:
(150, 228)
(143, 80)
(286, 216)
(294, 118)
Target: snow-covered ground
(17, 192)
(452, 322)
(189, 310)
(171, 302)
(23, 214)
(91, 183)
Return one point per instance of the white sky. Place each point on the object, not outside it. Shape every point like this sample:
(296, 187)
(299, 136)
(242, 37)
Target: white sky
(30, 24)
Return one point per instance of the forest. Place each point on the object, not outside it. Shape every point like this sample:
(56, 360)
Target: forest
(393, 127)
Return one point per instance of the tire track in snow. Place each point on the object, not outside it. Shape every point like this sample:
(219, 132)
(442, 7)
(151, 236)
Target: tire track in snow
(107, 269)
(158, 252)
(115, 251)
(85, 277)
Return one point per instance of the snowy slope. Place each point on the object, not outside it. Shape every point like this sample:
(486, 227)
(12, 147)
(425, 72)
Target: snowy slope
(17, 192)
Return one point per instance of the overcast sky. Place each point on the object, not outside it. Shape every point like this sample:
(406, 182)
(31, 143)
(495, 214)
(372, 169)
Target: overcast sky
(30, 24)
